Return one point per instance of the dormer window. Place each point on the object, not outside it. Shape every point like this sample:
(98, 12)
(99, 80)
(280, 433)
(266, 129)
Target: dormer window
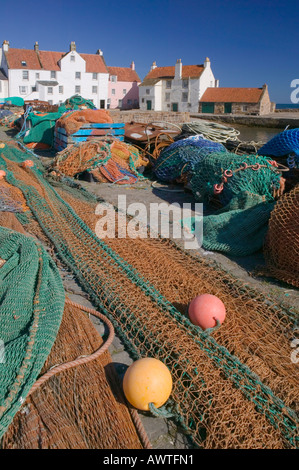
(24, 63)
(113, 78)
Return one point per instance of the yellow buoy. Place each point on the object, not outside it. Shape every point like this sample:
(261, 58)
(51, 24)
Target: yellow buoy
(146, 381)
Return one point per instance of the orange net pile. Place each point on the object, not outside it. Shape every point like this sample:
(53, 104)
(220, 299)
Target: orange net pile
(107, 159)
(80, 408)
(74, 120)
(236, 388)
(282, 243)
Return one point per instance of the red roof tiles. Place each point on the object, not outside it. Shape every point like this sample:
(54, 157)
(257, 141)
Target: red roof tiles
(188, 71)
(15, 57)
(48, 60)
(94, 63)
(124, 74)
(232, 95)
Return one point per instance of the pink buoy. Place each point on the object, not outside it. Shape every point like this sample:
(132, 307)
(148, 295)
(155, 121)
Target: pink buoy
(204, 311)
(2, 174)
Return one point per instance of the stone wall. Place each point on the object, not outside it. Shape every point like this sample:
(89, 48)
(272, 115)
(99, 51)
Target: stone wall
(148, 116)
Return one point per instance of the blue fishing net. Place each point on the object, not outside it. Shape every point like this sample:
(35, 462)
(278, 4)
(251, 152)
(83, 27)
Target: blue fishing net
(181, 157)
(285, 143)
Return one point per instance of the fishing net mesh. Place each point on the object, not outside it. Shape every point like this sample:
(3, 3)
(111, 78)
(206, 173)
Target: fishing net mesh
(108, 160)
(66, 412)
(281, 249)
(236, 388)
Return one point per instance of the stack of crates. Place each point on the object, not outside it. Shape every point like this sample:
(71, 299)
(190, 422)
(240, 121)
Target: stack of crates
(87, 131)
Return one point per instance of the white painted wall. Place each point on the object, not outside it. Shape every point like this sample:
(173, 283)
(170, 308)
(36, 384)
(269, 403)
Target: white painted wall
(154, 95)
(195, 90)
(65, 78)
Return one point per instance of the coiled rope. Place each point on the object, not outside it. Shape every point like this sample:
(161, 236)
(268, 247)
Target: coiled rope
(211, 130)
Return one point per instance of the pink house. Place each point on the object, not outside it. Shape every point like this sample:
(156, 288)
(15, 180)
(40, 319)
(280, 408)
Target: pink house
(123, 91)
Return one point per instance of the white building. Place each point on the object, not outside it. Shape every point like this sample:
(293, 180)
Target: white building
(3, 85)
(55, 76)
(177, 88)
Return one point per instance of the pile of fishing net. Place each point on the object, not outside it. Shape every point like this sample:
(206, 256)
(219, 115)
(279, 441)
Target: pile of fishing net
(246, 187)
(177, 161)
(77, 102)
(72, 121)
(8, 118)
(284, 144)
(234, 387)
(106, 158)
(281, 249)
(32, 300)
(60, 409)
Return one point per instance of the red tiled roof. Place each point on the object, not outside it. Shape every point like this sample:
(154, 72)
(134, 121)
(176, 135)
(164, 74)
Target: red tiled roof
(94, 63)
(48, 60)
(232, 95)
(14, 59)
(124, 74)
(192, 71)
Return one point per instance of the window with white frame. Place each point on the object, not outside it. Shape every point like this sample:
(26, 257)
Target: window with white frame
(120, 103)
(113, 78)
(25, 75)
(108, 101)
(168, 83)
(124, 91)
(77, 89)
(78, 75)
(185, 83)
(23, 90)
(147, 91)
(24, 63)
(113, 91)
(37, 76)
(94, 76)
(53, 74)
(72, 59)
(167, 96)
(184, 97)
(50, 90)
(33, 89)
(94, 90)
(60, 89)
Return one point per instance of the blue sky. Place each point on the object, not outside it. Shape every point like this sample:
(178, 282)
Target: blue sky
(248, 43)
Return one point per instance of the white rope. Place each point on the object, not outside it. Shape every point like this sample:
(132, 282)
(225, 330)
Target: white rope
(212, 130)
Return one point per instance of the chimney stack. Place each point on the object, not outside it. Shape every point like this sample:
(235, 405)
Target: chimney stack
(132, 65)
(36, 47)
(154, 66)
(5, 45)
(73, 46)
(178, 69)
(99, 52)
(207, 63)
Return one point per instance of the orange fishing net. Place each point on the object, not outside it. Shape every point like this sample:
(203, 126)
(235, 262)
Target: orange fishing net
(235, 389)
(80, 408)
(108, 160)
(282, 242)
(72, 121)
